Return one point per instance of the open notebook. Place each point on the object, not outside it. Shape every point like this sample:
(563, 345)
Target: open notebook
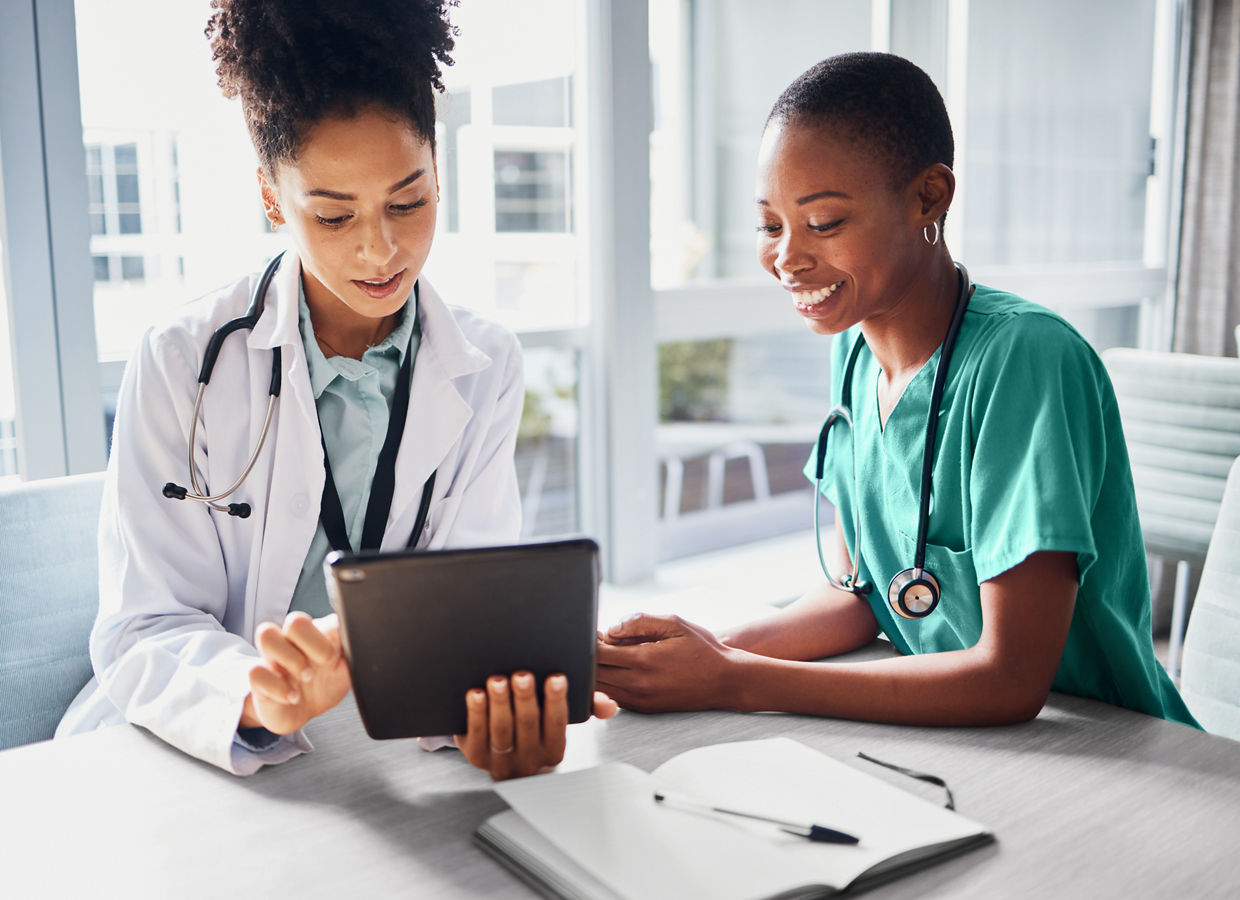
(598, 833)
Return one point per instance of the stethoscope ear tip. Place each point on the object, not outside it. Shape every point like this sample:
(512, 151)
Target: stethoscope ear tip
(174, 491)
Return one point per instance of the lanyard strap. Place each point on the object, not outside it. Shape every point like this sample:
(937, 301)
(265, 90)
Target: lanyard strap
(382, 487)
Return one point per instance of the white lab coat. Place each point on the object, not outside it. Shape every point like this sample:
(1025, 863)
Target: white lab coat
(183, 588)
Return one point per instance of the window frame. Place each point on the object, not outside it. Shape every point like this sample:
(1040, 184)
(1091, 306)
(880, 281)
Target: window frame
(49, 272)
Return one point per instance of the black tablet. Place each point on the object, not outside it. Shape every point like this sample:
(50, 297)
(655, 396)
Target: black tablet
(420, 628)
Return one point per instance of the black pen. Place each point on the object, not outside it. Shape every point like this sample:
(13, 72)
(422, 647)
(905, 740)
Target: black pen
(810, 831)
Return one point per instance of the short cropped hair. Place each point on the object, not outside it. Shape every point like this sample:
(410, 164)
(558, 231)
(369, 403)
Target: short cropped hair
(879, 99)
(295, 62)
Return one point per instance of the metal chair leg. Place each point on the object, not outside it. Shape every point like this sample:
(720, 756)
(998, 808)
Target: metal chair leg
(1179, 616)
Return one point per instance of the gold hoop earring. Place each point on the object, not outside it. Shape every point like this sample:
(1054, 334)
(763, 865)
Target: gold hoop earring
(925, 234)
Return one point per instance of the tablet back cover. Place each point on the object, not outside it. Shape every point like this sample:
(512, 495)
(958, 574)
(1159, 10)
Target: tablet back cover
(420, 628)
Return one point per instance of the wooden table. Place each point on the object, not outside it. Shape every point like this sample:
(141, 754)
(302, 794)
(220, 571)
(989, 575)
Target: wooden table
(1088, 800)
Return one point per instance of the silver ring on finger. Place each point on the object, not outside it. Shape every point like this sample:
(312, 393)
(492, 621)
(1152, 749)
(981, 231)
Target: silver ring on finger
(501, 752)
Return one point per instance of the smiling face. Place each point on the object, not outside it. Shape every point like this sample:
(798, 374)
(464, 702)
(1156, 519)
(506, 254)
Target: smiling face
(360, 202)
(833, 229)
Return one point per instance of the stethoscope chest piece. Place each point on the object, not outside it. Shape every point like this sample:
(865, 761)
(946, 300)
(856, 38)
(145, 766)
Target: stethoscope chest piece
(913, 593)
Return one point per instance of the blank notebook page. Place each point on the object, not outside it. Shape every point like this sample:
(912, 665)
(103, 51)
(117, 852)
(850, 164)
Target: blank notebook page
(607, 821)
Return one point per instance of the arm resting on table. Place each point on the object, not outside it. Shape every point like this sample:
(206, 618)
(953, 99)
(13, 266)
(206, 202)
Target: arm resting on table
(1004, 678)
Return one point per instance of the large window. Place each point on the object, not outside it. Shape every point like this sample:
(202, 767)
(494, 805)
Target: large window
(596, 171)
(1066, 174)
(173, 202)
(741, 382)
(174, 209)
(1063, 197)
(510, 245)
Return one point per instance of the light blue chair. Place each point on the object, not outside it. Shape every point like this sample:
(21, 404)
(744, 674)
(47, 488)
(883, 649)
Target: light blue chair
(1210, 682)
(49, 594)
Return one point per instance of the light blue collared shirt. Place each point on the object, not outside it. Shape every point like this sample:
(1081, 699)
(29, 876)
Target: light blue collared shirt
(353, 398)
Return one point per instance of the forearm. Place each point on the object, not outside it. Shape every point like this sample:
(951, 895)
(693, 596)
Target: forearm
(962, 687)
(658, 664)
(823, 622)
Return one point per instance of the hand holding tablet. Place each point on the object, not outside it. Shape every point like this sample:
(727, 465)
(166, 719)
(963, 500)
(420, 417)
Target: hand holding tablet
(464, 642)
(509, 735)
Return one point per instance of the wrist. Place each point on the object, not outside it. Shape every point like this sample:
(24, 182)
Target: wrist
(249, 717)
(736, 685)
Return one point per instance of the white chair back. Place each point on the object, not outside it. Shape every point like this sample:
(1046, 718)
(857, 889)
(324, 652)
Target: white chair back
(1211, 677)
(1181, 415)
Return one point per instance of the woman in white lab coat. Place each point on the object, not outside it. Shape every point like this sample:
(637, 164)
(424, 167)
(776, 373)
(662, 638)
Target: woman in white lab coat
(188, 641)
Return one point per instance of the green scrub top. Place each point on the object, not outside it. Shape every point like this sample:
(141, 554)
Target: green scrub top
(1030, 456)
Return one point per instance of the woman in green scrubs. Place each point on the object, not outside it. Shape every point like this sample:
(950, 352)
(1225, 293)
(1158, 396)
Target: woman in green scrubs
(1032, 532)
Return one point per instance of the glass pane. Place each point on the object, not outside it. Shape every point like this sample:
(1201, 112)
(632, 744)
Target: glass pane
(95, 186)
(919, 33)
(547, 443)
(169, 164)
(1058, 168)
(133, 268)
(126, 157)
(175, 211)
(709, 114)
(508, 244)
(1057, 165)
(738, 418)
(130, 222)
(126, 188)
(531, 191)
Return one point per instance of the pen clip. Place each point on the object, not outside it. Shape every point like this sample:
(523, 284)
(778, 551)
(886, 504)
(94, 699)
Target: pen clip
(825, 835)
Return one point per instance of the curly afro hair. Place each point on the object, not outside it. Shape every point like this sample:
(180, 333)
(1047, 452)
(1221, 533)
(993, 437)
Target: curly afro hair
(296, 62)
(882, 100)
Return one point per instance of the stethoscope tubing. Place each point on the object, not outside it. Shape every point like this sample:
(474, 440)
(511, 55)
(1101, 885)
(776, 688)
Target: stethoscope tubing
(842, 412)
(213, 500)
(932, 419)
(210, 355)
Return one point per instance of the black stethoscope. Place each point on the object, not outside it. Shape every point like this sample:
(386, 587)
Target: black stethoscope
(383, 485)
(914, 592)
